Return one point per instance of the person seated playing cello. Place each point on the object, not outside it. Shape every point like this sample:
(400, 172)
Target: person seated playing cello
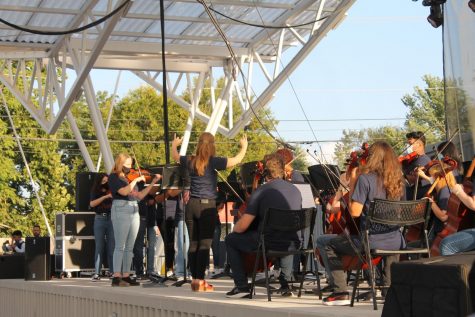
(275, 193)
(381, 177)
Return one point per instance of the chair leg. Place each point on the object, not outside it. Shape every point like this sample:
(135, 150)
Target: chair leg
(372, 282)
(266, 270)
(254, 272)
(355, 286)
(303, 274)
(315, 268)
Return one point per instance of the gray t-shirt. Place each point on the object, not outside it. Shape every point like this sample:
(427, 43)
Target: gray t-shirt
(205, 186)
(381, 236)
(278, 194)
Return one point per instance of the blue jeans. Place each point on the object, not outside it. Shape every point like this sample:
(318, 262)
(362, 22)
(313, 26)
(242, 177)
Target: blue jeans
(126, 222)
(179, 252)
(103, 234)
(322, 242)
(458, 242)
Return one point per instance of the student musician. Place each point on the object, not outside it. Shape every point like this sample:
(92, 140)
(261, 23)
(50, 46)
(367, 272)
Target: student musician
(275, 193)
(125, 217)
(381, 177)
(101, 203)
(200, 216)
(416, 142)
(291, 175)
(17, 244)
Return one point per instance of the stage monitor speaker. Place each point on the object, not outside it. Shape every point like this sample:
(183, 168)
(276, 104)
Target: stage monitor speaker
(37, 259)
(324, 177)
(84, 182)
(12, 266)
(438, 286)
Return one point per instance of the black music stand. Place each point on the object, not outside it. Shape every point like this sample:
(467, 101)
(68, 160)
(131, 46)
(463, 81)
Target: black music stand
(176, 177)
(229, 195)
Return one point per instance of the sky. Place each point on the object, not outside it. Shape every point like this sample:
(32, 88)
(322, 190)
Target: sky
(358, 71)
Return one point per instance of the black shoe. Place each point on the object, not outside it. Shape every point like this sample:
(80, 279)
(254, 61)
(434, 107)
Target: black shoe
(131, 281)
(237, 292)
(286, 292)
(337, 299)
(117, 281)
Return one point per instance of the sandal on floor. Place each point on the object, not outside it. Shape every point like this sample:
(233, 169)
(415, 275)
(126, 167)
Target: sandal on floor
(203, 286)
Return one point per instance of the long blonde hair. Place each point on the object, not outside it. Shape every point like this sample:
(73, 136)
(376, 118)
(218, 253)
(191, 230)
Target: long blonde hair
(119, 163)
(384, 163)
(204, 151)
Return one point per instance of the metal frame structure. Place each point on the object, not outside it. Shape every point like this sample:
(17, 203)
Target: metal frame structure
(130, 40)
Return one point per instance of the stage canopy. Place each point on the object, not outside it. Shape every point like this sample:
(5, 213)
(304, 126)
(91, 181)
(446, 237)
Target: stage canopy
(130, 39)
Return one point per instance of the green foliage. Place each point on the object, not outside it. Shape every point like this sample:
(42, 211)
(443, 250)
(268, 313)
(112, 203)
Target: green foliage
(426, 113)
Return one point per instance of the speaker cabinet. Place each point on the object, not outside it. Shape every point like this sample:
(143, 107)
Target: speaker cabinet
(74, 250)
(37, 259)
(438, 286)
(84, 182)
(12, 266)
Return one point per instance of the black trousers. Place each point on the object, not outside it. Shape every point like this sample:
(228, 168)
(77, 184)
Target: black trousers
(200, 220)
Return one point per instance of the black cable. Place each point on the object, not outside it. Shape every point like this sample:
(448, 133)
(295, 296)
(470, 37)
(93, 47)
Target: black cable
(77, 30)
(266, 26)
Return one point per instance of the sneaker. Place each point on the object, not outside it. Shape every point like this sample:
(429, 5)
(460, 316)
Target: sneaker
(326, 289)
(117, 281)
(286, 292)
(337, 299)
(237, 292)
(131, 281)
(95, 278)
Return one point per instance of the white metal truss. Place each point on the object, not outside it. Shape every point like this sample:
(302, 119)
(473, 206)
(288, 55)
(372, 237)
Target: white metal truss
(33, 67)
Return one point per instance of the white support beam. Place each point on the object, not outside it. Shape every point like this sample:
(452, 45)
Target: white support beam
(221, 105)
(267, 95)
(85, 69)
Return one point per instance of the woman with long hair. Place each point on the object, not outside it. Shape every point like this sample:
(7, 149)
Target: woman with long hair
(125, 217)
(101, 203)
(382, 178)
(200, 216)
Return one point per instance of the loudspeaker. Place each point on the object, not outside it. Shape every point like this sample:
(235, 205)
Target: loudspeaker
(325, 177)
(438, 286)
(74, 250)
(84, 182)
(12, 266)
(37, 259)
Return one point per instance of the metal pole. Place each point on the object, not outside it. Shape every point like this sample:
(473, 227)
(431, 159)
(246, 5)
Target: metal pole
(164, 91)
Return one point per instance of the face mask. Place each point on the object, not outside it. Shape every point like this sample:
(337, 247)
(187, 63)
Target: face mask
(440, 156)
(409, 150)
(105, 186)
(126, 170)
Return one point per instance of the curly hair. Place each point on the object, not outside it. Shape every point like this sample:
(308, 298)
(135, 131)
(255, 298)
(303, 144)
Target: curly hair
(384, 163)
(274, 165)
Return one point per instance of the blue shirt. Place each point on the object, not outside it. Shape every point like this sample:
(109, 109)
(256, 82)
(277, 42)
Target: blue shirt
(205, 186)
(279, 194)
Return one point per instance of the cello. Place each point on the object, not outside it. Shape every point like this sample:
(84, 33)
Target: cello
(459, 216)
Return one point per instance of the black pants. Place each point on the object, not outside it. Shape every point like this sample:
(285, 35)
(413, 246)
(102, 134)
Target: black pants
(200, 220)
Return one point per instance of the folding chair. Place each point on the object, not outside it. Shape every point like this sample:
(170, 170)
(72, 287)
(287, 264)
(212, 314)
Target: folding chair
(284, 221)
(395, 213)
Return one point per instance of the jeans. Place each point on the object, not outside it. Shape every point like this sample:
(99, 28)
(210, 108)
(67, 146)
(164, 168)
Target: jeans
(340, 246)
(237, 243)
(322, 242)
(458, 242)
(179, 252)
(126, 222)
(139, 245)
(103, 234)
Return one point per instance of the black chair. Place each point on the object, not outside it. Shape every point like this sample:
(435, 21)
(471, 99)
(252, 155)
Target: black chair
(394, 213)
(284, 221)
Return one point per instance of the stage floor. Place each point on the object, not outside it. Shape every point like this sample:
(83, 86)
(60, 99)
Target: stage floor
(81, 297)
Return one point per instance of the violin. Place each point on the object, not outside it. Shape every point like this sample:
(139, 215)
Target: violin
(458, 214)
(357, 158)
(408, 158)
(288, 158)
(133, 174)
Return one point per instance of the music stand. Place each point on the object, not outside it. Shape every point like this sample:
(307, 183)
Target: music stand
(229, 196)
(176, 177)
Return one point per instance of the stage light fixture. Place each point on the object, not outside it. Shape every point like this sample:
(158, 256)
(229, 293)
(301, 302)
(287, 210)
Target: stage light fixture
(471, 5)
(429, 3)
(435, 18)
